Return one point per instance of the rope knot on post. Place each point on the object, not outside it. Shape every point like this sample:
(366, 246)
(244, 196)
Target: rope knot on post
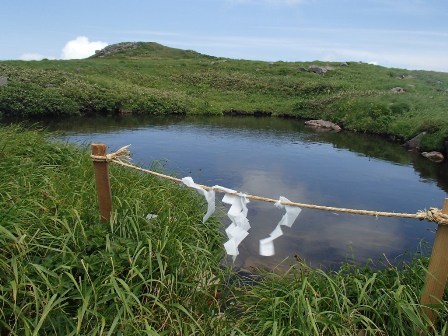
(434, 215)
(122, 155)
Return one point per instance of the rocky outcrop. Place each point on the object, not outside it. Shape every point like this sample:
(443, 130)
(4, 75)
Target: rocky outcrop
(320, 70)
(3, 80)
(397, 90)
(433, 156)
(323, 124)
(118, 47)
(414, 143)
(317, 69)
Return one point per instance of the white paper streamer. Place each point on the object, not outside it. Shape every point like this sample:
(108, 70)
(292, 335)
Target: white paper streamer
(267, 244)
(238, 229)
(150, 216)
(209, 196)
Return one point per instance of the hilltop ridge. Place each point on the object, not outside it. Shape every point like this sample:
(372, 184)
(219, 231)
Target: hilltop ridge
(145, 50)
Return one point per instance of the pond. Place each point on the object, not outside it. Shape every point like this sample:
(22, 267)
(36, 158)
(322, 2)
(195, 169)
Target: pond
(275, 157)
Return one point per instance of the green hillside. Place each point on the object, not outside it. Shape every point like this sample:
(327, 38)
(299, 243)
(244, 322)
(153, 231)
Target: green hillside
(148, 78)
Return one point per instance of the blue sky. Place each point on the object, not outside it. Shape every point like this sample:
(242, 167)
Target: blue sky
(410, 34)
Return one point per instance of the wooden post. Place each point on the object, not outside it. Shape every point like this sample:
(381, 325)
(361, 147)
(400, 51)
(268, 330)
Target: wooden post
(438, 269)
(102, 182)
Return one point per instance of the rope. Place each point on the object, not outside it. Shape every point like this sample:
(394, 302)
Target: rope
(121, 155)
(122, 158)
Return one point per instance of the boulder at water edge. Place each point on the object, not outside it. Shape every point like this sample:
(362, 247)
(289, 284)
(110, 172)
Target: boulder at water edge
(433, 156)
(323, 124)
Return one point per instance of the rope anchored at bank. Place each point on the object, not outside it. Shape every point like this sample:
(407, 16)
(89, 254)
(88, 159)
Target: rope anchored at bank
(436, 278)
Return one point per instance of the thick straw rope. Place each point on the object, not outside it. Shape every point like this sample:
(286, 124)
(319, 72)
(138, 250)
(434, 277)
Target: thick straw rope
(122, 158)
(123, 154)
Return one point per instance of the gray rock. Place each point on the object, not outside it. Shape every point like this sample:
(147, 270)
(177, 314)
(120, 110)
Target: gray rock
(317, 69)
(433, 156)
(414, 143)
(406, 77)
(343, 64)
(118, 47)
(323, 124)
(3, 80)
(397, 90)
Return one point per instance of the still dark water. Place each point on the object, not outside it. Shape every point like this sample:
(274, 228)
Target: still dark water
(276, 157)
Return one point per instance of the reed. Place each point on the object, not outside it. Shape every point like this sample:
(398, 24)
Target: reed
(350, 301)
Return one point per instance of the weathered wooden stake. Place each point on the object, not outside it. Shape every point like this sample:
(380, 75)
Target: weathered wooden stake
(102, 182)
(438, 269)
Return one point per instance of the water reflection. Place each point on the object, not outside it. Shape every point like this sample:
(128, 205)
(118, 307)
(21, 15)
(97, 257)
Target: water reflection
(274, 157)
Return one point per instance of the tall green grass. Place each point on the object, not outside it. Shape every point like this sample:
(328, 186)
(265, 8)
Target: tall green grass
(351, 301)
(63, 272)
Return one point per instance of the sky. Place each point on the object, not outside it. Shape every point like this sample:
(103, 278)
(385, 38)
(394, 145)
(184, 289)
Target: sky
(410, 34)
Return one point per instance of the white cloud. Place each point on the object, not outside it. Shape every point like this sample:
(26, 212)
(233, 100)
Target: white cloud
(415, 60)
(81, 47)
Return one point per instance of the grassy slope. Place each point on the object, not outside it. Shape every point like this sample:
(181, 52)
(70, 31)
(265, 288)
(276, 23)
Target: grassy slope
(62, 272)
(155, 79)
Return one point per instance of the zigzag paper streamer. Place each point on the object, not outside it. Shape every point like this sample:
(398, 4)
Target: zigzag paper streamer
(267, 244)
(209, 196)
(238, 229)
